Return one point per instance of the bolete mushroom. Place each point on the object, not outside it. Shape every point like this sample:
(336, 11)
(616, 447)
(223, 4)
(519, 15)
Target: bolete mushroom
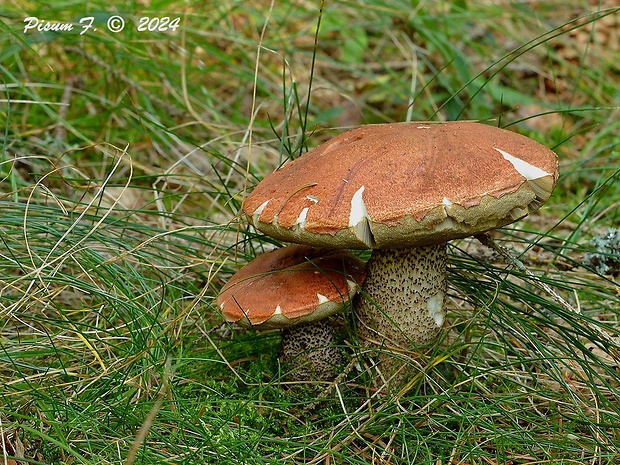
(404, 190)
(296, 288)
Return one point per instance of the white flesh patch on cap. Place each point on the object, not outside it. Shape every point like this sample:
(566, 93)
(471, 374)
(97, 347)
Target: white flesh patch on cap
(423, 127)
(258, 211)
(322, 299)
(312, 198)
(447, 203)
(526, 170)
(358, 219)
(278, 310)
(448, 222)
(435, 309)
(538, 180)
(301, 219)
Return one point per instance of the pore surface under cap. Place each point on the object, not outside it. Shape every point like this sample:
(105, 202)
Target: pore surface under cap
(404, 184)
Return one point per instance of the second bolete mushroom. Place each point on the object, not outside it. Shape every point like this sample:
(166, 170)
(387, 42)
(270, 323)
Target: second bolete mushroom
(404, 190)
(296, 288)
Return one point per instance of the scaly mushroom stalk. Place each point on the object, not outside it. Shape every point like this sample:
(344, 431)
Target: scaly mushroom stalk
(309, 350)
(402, 299)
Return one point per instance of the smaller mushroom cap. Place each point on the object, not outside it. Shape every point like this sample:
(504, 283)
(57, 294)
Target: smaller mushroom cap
(291, 285)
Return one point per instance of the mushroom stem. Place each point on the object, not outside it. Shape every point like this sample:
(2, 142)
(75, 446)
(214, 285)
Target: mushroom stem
(402, 300)
(309, 351)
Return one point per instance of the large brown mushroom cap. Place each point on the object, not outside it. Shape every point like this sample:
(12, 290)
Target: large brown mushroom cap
(403, 185)
(291, 285)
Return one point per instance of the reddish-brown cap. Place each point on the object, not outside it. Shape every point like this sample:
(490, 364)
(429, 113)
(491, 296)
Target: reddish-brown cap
(290, 285)
(404, 185)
